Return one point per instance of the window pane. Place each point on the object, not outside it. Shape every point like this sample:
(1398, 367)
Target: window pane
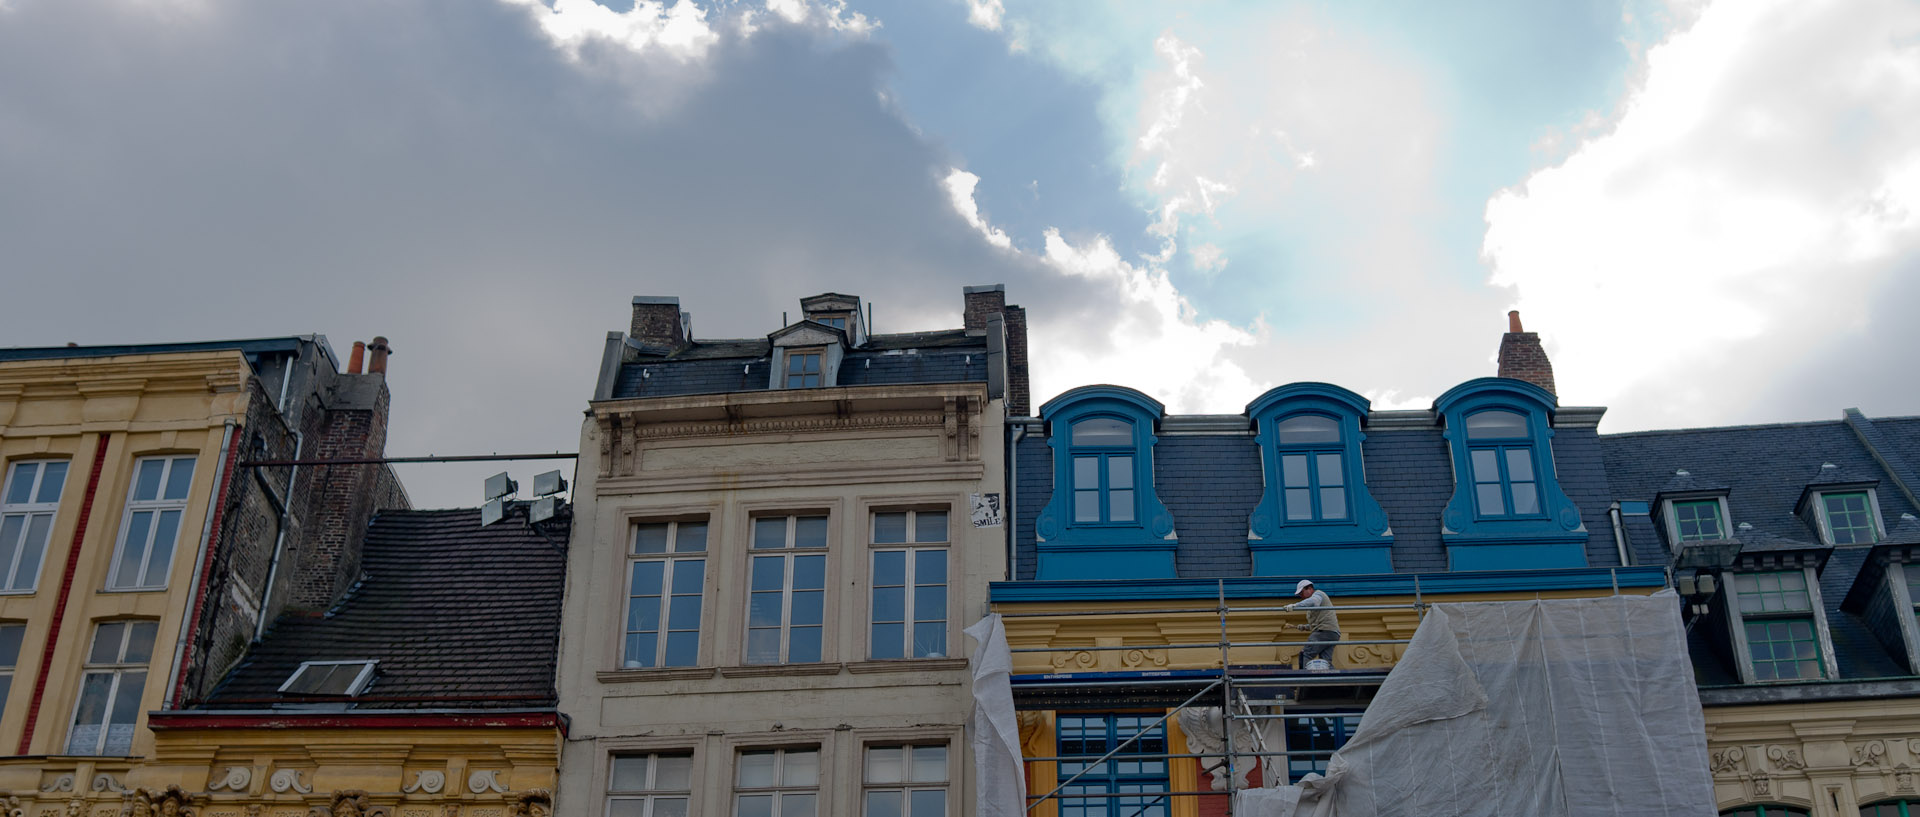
(139, 527)
(889, 568)
(162, 557)
(1086, 506)
(688, 576)
(800, 768)
(1120, 506)
(769, 572)
(685, 614)
(924, 803)
(1491, 503)
(1102, 431)
(673, 772)
(1520, 464)
(54, 476)
(146, 486)
(930, 567)
(1495, 425)
(930, 603)
(754, 805)
(929, 764)
(650, 538)
(629, 774)
(1119, 472)
(803, 645)
(763, 609)
(1333, 503)
(641, 649)
(690, 538)
(179, 479)
(1086, 472)
(807, 607)
(646, 578)
(1299, 503)
(810, 532)
(1308, 428)
(90, 717)
(797, 805)
(140, 641)
(1329, 467)
(889, 528)
(1525, 498)
(930, 526)
(809, 572)
(763, 646)
(683, 649)
(888, 640)
(755, 770)
(1486, 465)
(883, 803)
(10, 638)
(1293, 471)
(770, 532)
(886, 764)
(20, 484)
(107, 639)
(32, 549)
(930, 640)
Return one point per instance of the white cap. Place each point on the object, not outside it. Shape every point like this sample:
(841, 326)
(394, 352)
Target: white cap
(1302, 587)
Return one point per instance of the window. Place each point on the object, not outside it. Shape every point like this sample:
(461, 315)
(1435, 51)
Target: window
(10, 637)
(1102, 470)
(28, 506)
(909, 602)
(666, 571)
(1318, 734)
(1139, 769)
(1770, 811)
(836, 321)
(1890, 808)
(1698, 520)
(1503, 480)
(116, 676)
(777, 783)
(155, 502)
(329, 678)
(1777, 613)
(1313, 482)
(1913, 587)
(787, 598)
(803, 370)
(906, 781)
(1849, 518)
(658, 785)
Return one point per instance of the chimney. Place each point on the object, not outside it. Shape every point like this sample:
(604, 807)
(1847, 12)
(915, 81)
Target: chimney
(380, 350)
(1522, 357)
(658, 323)
(359, 354)
(982, 301)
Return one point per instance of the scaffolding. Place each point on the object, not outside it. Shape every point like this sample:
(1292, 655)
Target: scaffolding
(1237, 690)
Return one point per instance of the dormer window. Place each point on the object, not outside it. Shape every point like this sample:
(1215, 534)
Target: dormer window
(1504, 483)
(1507, 511)
(1103, 520)
(1698, 520)
(1848, 518)
(1315, 514)
(803, 370)
(1103, 470)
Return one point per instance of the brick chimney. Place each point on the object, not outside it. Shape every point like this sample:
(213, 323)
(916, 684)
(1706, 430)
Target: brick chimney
(1522, 357)
(982, 303)
(658, 323)
(332, 505)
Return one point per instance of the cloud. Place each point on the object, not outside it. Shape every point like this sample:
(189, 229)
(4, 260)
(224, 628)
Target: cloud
(960, 186)
(1752, 215)
(680, 29)
(985, 14)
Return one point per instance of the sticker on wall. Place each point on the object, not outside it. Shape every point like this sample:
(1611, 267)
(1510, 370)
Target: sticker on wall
(986, 510)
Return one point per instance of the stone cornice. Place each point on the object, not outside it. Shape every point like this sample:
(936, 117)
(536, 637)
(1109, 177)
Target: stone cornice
(183, 372)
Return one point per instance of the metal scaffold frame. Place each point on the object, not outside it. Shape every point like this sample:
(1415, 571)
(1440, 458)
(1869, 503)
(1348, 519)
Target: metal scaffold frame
(1226, 681)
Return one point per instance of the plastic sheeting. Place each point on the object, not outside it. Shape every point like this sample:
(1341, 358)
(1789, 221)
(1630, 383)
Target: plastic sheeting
(1000, 784)
(1531, 709)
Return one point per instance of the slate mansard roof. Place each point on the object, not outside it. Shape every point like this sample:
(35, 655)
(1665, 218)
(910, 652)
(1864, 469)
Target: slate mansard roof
(730, 365)
(1764, 470)
(458, 616)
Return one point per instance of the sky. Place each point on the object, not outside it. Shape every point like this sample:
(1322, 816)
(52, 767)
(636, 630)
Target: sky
(1708, 209)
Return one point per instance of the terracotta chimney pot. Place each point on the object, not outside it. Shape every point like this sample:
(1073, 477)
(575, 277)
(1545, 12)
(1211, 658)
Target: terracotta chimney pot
(353, 360)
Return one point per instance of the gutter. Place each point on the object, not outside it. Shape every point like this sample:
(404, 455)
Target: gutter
(279, 539)
(196, 593)
(1013, 491)
(364, 719)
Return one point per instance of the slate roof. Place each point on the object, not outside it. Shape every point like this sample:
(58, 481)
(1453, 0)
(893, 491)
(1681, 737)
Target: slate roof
(745, 364)
(458, 615)
(1766, 469)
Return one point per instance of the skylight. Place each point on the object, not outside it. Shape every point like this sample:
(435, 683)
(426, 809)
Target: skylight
(329, 678)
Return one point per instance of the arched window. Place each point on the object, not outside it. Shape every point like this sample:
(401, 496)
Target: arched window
(1103, 463)
(1501, 454)
(1312, 479)
(1315, 516)
(1885, 808)
(1768, 810)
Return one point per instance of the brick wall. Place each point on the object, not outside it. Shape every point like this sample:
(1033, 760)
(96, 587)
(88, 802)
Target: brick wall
(656, 322)
(1522, 358)
(341, 499)
(1019, 390)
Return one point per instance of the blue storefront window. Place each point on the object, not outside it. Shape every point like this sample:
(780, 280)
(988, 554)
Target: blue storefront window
(1137, 773)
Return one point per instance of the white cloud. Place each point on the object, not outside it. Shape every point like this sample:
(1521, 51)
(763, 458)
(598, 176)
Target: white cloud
(1208, 258)
(960, 184)
(680, 29)
(831, 13)
(1760, 187)
(986, 13)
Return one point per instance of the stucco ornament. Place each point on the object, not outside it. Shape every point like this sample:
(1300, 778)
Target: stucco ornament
(481, 782)
(1785, 759)
(288, 780)
(62, 783)
(1201, 725)
(1728, 761)
(10, 806)
(429, 781)
(1869, 754)
(105, 782)
(174, 802)
(236, 779)
(532, 803)
(349, 803)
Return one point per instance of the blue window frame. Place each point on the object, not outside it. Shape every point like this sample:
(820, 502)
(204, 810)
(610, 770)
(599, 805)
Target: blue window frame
(1138, 772)
(1319, 736)
(1316, 515)
(1103, 520)
(1508, 511)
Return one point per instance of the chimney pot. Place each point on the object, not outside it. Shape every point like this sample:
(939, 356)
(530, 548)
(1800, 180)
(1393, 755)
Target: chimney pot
(1513, 321)
(380, 349)
(354, 360)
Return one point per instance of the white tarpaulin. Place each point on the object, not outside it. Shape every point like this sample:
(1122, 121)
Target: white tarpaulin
(1000, 785)
(1523, 709)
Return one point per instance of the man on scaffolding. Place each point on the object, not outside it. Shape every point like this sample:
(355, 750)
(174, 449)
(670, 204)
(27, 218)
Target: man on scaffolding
(1322, 625)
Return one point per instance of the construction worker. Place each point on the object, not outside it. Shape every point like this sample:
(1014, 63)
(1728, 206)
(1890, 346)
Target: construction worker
(1322, 625)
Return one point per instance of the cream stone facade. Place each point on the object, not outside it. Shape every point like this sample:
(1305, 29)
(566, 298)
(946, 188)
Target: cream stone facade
(1827, 758)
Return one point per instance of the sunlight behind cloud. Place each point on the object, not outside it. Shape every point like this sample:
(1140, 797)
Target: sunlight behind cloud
(680, 30)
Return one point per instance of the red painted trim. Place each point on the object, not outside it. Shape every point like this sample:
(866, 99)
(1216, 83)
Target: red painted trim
(66, 588)
(206, 570)
(353, 720)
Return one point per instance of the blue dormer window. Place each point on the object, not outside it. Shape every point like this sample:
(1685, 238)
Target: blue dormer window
(1316, 515)
(1501, 448)
(1507, 510)
(1103, 471)
(1103, 520)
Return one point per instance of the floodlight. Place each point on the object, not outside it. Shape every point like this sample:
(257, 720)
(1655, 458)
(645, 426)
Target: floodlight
(499, 485)
(492, 511)
(548, 484)
(543, 509)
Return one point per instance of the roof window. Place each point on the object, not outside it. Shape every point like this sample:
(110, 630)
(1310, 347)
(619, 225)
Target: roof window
(330, 678)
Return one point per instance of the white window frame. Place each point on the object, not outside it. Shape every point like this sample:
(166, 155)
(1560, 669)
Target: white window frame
(1671, 513)
(359, 684)
(156, 506)
(787, 553)
(779, 790)
(913, 550)
(118, 670)
(650, 795)
(906, 786)
(1873, 512)
(670, 560)
(9, 572)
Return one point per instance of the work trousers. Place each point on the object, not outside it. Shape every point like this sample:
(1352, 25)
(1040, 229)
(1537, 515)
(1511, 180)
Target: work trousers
(1316, 648)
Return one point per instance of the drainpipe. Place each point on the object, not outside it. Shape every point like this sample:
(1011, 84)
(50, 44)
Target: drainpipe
(279, 541)
(198, 586)
(1013, 489)
(1619, 534)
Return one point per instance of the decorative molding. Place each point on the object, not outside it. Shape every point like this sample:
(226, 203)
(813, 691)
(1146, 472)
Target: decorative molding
(10, 806)
(482, 781)
(62, 783)
(1082, 659)
(105, 782)
(1144, 658)
(531, 803)
(1369, 655)
(764, 670)
(1762, 786)
(880, 471)
(286, 780)
(430, 781)
(1903, 779)
(1729, 761)
(1785, 759)
(630, 676)
(907, 665)
(172, 801)
(349, 803)
(236, 780)
(1872, 754)
(790, 425)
